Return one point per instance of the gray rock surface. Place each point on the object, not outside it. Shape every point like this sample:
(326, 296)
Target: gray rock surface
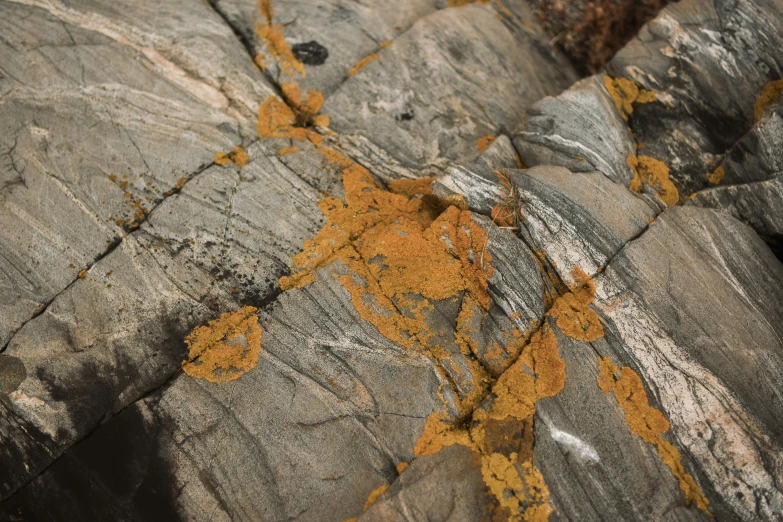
(121, 231)
(707, 62)
(580, 130)
(751, 187)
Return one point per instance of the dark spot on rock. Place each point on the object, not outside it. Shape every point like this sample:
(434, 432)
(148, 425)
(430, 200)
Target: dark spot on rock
(405, 116)
(456, 52)
(12, 373)
(310, 53)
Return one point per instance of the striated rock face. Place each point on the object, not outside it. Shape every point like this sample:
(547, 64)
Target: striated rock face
(388, 261)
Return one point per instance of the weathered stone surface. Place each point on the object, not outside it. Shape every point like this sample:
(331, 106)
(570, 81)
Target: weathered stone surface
(707, 62)
(751, 182)
(576, 219)
(105, 112)
(461, 55)
(597, 355)
(117, 333)
(580, 130)
(417, 81)
(597, 468)
(703, 325)
(444, 486)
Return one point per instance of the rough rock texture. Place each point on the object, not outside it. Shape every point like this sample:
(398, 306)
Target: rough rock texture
(542, 331)
(707, 62)
(751, 186)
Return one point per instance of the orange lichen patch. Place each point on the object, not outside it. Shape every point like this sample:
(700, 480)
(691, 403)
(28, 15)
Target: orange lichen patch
(625, 93)
(412, 187)
(402, 466)
(275, 41)
(648, 423)
(178, 185)
(238, 157)
(654, 174)
(500, 474)
(321, 120)
(514, 490)
(506, 461)
(574, 317)
(484, 142)
(438, 433)
(288, 150)
(277, 120)
(333, 156)
(396, 246)
(517, 390)
(225, 349)
(82, 274)
(374, 494)
(716, 176)
(769, 94)
(307, 102)
(361, 64)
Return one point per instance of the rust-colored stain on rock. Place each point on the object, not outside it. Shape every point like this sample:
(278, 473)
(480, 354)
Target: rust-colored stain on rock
(226, 348)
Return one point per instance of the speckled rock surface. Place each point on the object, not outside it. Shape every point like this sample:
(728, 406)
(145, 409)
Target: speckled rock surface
(540, 331)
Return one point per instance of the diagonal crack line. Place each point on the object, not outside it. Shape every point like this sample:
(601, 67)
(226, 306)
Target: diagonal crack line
(247, 43)
(95, 428)
(631, 240)
(109, 250)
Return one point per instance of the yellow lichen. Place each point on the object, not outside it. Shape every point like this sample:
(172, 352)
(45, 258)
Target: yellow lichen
(412, 187)
(574, 316)
(654, 174)
(484, 142)
(402, 466)
(625, 93)
(419, 251)
(439, 433)
(278, 48)
(361, 64)
(225, 349)
(501, 475)
(238, 157)
(506, 461)
(769, 94)
(288, 150)
(374, 494)
(648, 423)
(716, 176)
(307, 103)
